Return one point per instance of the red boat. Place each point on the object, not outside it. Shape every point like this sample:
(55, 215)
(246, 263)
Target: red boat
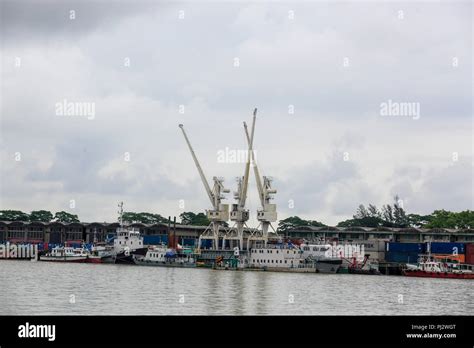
(429, 268)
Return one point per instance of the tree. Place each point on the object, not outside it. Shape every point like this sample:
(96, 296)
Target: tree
(294, 222)
(13, 215)
(144, 218)
(65, 217)
(399, 214)
(41, 215)
(361, 212)
(387, 215)
(190, 218)
(373, 211)
(419, 221)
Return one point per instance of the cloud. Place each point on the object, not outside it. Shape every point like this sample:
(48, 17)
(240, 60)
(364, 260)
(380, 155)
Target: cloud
(282, 62)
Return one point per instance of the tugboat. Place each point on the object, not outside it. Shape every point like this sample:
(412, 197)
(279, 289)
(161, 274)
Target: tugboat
(127, 244)
(428, 267)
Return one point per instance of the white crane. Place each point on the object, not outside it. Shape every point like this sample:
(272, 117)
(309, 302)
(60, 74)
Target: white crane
(267, 214)
(219, 213)
(238, 213)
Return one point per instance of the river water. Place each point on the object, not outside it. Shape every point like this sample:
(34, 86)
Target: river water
(36, 288)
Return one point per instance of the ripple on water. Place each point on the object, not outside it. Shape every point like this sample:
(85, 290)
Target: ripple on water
(46, 288)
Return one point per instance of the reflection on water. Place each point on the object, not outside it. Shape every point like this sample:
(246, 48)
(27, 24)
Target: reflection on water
(46, 288)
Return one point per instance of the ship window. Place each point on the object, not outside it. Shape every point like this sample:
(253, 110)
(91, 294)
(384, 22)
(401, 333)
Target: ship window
(285, 261)
(272, 261)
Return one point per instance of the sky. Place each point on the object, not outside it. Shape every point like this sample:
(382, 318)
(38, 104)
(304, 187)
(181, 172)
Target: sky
(319, 73)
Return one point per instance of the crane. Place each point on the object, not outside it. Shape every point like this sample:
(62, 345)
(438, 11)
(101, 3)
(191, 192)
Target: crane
(267, 214)
(219, 213)
(238, 213)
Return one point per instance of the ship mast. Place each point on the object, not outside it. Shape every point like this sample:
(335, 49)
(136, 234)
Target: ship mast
(120, 212)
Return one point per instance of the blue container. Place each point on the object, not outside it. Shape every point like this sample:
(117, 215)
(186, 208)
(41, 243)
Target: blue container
(189, 241)
(405, 247)
(401, 257)
(206, 243)
(447, 248)
(154, 240)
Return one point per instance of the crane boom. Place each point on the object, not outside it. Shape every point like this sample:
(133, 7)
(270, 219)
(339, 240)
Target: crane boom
(255, 169)
(247, 165)
(198, 166)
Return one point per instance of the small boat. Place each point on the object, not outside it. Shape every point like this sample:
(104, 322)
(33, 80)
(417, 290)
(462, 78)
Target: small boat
(99, 254)
(428, 267)
(166, 257)
(66, 254)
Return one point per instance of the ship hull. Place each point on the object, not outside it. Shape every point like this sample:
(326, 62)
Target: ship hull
(123, 258)
(75, 259)
(448, 275)
(328, 266)
(164, 264)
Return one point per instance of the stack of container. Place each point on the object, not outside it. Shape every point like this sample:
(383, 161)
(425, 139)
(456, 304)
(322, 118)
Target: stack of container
(470, 254)
(451, 251)
(403, 252)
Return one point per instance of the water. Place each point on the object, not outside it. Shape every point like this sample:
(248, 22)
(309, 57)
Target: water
(34, 288)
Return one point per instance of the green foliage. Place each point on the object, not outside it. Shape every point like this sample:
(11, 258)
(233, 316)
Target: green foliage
(144, 218)
(448, 219)
(295, 221)
(41, 215)
(65, 217)
(13, 215)
(190, 218)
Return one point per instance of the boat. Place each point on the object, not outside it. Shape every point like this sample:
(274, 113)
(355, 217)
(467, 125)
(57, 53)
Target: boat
(162, 256)
(99, 253)
(128, 243)
(429, 267)
(281, 258)
(66, 254)
(319, 254)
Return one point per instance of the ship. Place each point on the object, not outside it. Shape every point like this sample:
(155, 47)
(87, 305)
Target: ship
(66, 254)
(280, 259)
(162, 256)
(128, 243)
(319, 254)
(429, 267)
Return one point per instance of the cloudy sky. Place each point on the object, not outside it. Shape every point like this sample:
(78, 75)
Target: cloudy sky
(318, 72)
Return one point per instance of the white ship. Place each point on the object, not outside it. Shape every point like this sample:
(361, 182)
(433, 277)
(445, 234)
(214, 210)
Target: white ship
(165, 257)
(127, 243)
(283, 259)
(322, 257)
(66, 254)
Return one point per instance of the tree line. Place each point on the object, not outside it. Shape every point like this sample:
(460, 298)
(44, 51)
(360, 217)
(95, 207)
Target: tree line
(187, 218)
(391, 216)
